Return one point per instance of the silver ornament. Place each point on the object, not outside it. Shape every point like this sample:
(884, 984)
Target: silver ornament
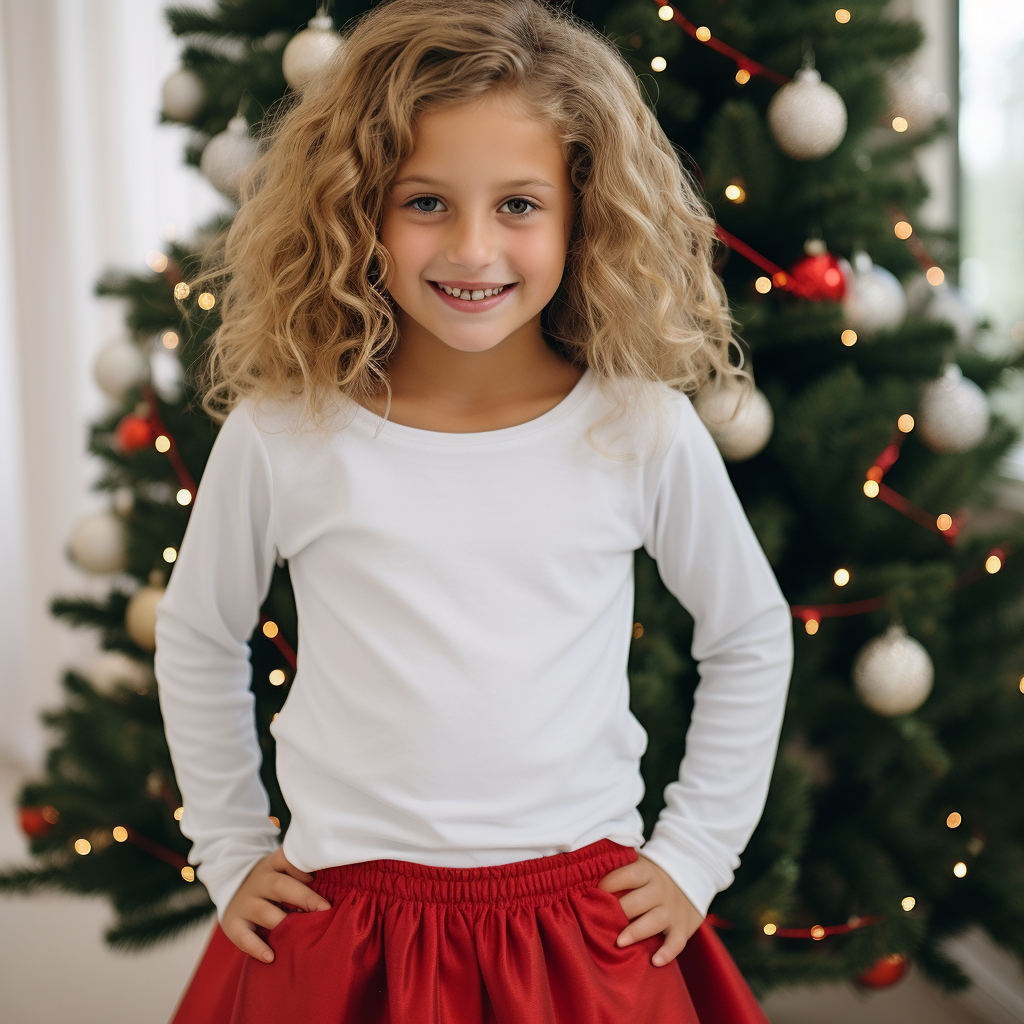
(893, 673)
(119, 367)
(740, 422)
(874, 299)
(914, 98)
(113, 667)
(308, 52)
(140, 615)
(97, 543)
(228, 156)
(954, 413)
(807, 117)
(183, 95)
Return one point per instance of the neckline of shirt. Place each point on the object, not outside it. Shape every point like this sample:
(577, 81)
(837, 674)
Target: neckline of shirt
(399, 432)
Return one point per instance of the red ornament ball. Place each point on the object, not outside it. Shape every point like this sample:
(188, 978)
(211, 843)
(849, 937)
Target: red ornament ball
(37, 822)
(133, 433)
(818, 277)
(886, 972)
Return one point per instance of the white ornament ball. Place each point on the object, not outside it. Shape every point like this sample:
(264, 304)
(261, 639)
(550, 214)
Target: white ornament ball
(807, 117)
(228, 155)
(954, 413)
(183, 95)
(308, 52)
(949, 305)
(140, 616)
(914, 98)
(740, 422)
(119, 367)
(893, 673)
(113, 667)
(97, 543)
(874, 299)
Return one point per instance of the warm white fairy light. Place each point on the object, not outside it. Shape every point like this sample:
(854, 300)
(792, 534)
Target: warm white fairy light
(735, 193)
(871, 488)
(953, 819)
(658, 64)
(841, 577)
(277, 677)
(170, 554)
(703, 33)
(811, 626)
(82, 846)
(178, 813)
(908, 903)
(935, 276)
(742, 76)
(959, 869)
(770, 929)
(120, 834)
(206, 300)
(993, 564)
(900, 124)
(157, 260)
(184, 496)
(170, 339)
(162, 443)
(843, 16)
(188, 873)
(848, 337)
(944, 522)
(817, 932)
(665, 12)
(270, 629)
(905, 423)
(903, 229)
(181, 291)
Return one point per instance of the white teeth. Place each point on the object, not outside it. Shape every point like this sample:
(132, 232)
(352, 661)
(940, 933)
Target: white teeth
(474, 295)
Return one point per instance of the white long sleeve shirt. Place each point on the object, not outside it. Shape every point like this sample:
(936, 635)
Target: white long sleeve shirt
(465, 607)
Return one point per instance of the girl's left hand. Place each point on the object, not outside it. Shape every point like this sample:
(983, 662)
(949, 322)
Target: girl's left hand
(654, 905)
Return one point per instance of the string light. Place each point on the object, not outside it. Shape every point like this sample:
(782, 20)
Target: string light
(905, 423)
(170, 339)
(935, 276)
(953, 819)
(742, 76)
(703, 33)
(871, 488)
(841, 577)
(181, 291)
(82, 846)
(275, 821)
(184, 496)
(811, 626)
(900, 124)
(638, 630)
(178, 813)
(1020, 685)
(763, 285)
(188, 873)
(270, 629)
(848, 337)
(274, 717)
(994, 562)
(770, 929)
(843, 16)
(277, 677)
(903, 229)
(157, 260)
(944, 522)
(908, 903)
(817, 933)
(162, 443)
(170, 554)
(206, 300)
(659, 64)
(959, 869)
(120, 834)
(665, 13)
(735, 193)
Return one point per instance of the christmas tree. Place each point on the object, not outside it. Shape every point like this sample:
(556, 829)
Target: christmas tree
(892, 822)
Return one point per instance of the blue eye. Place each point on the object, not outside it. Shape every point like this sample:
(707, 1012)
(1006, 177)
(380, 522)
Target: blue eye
(423, 199)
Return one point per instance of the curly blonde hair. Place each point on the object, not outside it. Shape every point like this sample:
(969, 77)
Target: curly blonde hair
(301, 269)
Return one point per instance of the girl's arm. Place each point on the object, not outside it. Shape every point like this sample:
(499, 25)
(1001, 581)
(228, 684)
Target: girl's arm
(220, 579)
(710, 559)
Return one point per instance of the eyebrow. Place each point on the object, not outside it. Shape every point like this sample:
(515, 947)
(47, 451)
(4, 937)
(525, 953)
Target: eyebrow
(522, 183)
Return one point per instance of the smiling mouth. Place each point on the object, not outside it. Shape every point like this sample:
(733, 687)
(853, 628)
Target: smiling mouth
(472, 294)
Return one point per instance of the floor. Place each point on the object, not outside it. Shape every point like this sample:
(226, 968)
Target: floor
(54, 968)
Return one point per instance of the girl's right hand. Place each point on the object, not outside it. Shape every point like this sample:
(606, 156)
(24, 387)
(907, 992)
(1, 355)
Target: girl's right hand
(272, 881)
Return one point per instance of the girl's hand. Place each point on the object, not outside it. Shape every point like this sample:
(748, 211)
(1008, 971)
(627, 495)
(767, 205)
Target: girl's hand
(654, 905)
(272, 881)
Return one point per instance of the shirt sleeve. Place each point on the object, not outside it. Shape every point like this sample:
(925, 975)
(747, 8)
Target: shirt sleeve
(710, 559)
(211, 606)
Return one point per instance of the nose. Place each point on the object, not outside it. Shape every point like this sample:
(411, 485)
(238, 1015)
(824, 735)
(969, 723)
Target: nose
(471, 242)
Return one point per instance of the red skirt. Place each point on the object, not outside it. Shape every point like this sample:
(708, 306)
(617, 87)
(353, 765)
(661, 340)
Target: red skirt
(404, 943)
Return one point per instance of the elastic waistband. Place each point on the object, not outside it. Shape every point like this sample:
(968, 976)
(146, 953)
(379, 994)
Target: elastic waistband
(537, 880)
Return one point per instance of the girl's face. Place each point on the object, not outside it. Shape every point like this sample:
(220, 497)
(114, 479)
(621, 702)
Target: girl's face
(483, 203)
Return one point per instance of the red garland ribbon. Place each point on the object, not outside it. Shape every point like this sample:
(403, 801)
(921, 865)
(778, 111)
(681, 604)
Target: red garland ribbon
(173, 455)
(752, 67)
(160, 852)
(278, 640)
(914, 244)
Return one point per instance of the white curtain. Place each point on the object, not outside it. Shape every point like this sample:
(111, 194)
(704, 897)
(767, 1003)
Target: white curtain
(88, 180)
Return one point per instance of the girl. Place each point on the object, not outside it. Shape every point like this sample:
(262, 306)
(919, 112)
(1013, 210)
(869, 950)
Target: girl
(469, 294)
